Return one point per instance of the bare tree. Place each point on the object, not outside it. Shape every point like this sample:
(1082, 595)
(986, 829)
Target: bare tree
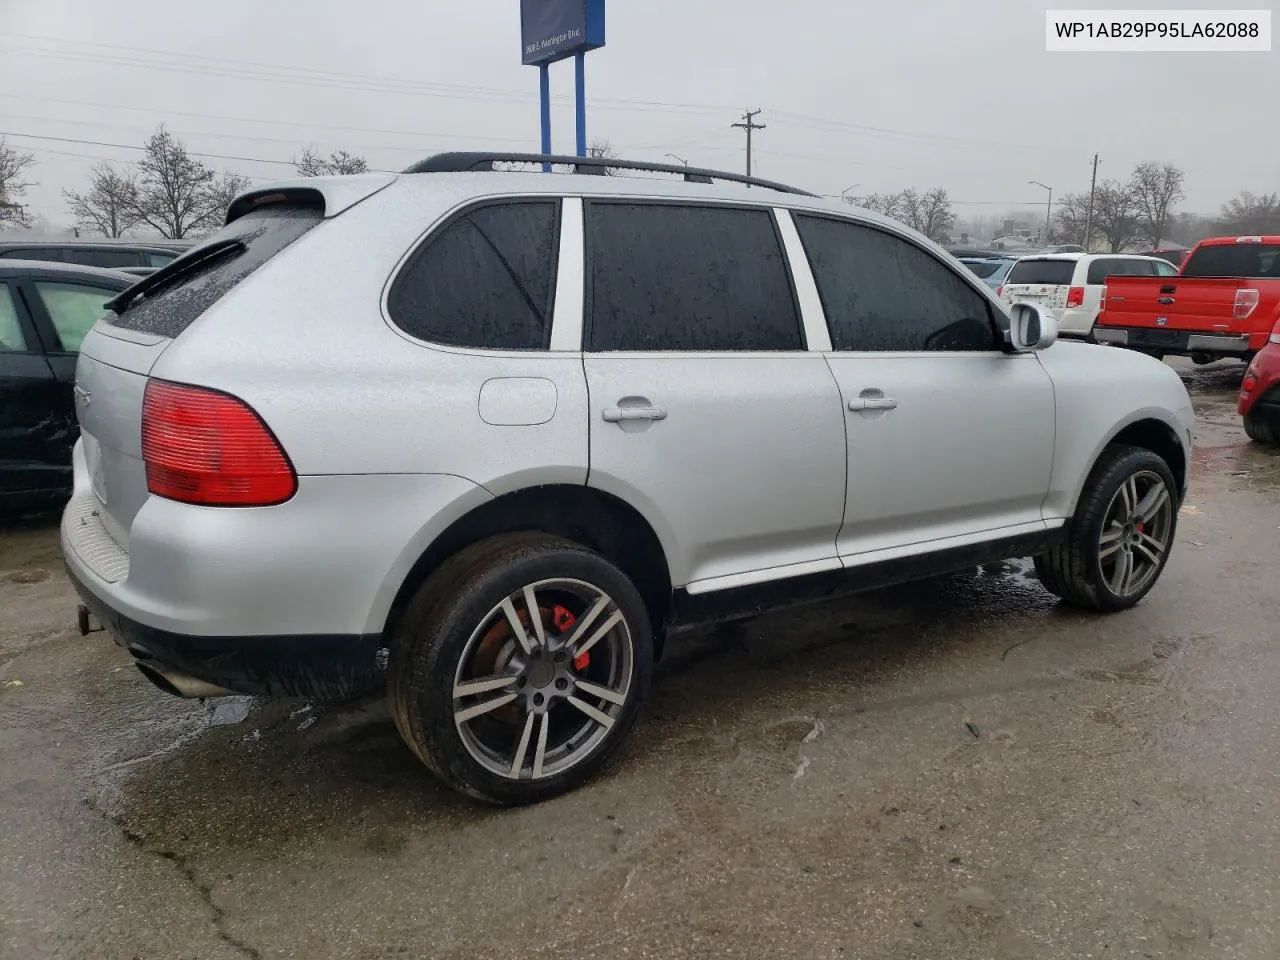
(1251, 214)
(218, 197)
(930, 213)
(177, 194)
(173, 186)
(1115, 214)
(1073, 214)
(110, 205)
(1156, 188)
(603, 150)
(886, 204)
(12, 186)
(313, 164)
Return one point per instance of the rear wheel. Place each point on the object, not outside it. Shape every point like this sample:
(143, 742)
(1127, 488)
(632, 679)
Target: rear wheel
(1119, 539)
(520, 666)
(1261, 425)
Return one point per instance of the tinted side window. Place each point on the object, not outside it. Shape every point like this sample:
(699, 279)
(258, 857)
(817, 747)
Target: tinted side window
(487, 280)
(73, 308)
(11, 337)
(882, 293)
(1099, 270)
(689, 278)
(154, 259)
(98, 257)
(34, 253)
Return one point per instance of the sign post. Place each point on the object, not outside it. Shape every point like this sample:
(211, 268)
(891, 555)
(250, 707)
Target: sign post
(554, 30)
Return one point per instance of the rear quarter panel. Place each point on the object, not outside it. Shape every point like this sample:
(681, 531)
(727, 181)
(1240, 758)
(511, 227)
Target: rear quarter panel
(304, 341)
(1098, 391)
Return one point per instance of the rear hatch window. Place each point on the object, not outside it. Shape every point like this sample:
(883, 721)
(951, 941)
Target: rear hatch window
(169, 301)
(982, 268)
(1047, 272)
(1237, 260)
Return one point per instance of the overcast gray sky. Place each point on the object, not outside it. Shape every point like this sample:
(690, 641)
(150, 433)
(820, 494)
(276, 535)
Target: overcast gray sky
(880, 94)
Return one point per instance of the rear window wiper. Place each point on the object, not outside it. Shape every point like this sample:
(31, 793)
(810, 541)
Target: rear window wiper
(174, 269)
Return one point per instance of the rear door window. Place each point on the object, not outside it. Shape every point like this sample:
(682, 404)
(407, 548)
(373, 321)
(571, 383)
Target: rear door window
(982, 269)
(486, 281)
(73, 308)
(1099, 270)
(154, 259)
(1051, 272)
(183, 293)
(883, 293)
(683, 277)
(11, 337)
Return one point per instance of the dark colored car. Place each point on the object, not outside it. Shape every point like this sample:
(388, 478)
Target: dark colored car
(45, 311)
(131, 256)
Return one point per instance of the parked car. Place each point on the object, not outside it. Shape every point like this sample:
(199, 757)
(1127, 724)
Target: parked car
(1223, 303)
(504, 431)
(136, 257)
(45, 311)
(1260, 392)
(990, 270)
(1070, 285)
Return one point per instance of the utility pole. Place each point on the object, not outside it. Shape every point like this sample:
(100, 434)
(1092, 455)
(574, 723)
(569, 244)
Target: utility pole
(749, 116)
(1088, 220)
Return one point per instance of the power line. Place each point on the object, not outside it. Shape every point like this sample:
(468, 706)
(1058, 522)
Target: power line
(134, 146)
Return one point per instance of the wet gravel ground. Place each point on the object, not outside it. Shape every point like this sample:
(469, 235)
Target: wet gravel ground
(960, 768)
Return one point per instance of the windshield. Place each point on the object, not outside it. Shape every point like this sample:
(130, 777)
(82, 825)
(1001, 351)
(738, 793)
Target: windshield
(1236, 260)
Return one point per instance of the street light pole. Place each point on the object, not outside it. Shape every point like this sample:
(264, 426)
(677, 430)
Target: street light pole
(1048, 207)
(676, 158)
(844, 193)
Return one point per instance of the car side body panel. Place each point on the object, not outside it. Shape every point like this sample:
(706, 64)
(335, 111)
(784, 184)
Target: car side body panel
(1098, 392)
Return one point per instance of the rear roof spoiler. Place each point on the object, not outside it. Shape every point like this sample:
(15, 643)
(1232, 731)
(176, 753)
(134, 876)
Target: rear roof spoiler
(339, 193)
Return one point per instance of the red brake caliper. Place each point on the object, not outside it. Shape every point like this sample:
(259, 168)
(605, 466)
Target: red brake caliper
(564, 621)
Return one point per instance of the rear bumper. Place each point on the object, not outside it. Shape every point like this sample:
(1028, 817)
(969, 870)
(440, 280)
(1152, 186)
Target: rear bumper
(332, 667)
(1174, 341)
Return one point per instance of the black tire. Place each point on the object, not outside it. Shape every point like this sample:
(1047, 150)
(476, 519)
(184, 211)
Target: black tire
(445, 616)
(1074, 568)
(1261, 427)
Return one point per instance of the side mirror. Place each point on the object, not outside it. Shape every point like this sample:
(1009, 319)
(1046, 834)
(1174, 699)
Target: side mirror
(1031, 327)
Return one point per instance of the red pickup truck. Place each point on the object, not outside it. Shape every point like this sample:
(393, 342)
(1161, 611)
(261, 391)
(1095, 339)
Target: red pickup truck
(1223, 303)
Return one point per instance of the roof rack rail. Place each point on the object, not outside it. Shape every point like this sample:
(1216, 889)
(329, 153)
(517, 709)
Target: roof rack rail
(462, 162)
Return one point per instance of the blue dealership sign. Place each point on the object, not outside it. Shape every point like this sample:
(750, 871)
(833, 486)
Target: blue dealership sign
(552, 30)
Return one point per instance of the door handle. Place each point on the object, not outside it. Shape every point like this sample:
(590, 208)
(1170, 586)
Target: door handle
(624, 414)
(873, 403)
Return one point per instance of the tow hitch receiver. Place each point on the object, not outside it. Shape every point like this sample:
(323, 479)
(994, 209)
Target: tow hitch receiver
(85, 622)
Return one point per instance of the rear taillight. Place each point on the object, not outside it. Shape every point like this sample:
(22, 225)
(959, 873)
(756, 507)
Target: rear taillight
(1075, 296)
(1246, 302)
(205, 447)
(1102, 299)
(1275, 333)
(1000, 290)
(1250, 381)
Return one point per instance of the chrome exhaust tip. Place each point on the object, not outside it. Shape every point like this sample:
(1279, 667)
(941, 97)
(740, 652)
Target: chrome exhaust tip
(182, 685)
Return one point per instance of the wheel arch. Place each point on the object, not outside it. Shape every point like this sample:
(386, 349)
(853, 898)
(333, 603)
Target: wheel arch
(585, 515)
(1150, 430)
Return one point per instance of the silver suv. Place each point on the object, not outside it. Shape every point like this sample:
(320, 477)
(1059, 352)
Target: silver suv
(498, 433)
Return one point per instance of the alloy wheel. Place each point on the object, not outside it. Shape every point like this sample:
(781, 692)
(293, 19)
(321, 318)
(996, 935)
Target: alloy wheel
(1136, 530)
(542, 679)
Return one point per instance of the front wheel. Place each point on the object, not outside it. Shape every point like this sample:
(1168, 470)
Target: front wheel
(520, 666)
(1119, 539)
